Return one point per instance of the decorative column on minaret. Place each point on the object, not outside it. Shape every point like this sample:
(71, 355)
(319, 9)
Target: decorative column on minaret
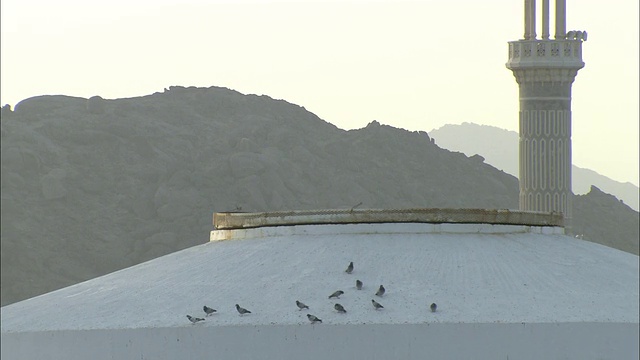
(545, 69)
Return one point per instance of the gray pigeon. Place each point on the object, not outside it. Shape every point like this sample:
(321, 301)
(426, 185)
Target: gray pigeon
(208, 310)
(339, 308)
(358, 284)
(313, 319)
(336, 294)
(301, 305)
(194, 319)
(242, 310)
(380, 291)
(434, 307)
(376, 305)
(349, 268)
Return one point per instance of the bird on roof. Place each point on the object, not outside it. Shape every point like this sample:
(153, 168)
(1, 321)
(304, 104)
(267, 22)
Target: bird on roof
(314, 319)
(358, 284)
(349, 268)
(336, 294)
(339, 308)
(242, 310)
(208, 310)
(381, 291)
(194, 319)
(301, 305)
(376, 305)
(434, 307)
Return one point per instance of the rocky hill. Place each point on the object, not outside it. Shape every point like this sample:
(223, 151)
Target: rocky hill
(90, 186)
(499, 148)
(620, 231)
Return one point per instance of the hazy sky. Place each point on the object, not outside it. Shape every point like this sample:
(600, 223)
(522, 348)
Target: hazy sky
(415, 65)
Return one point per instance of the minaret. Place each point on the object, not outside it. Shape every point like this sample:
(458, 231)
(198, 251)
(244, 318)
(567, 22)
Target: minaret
(545, 69)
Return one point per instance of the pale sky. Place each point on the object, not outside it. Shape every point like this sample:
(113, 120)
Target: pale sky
(415, 65)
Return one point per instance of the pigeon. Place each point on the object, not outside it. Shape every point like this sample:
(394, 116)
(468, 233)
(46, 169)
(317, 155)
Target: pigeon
(301, 305)
(380, 291)
(194, 319)
(208, 310)
(349, 268)
(336, 294)
(242, 310)
(358, 284)
(339, 308)
(376, 305)
(434, 307)
(313, 319)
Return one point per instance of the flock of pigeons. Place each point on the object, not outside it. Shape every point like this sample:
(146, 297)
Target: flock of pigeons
(312, 318)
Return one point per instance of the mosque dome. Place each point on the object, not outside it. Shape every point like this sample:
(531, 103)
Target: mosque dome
(507, 284)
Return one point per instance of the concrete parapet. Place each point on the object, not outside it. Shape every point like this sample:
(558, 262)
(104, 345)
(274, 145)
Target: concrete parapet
(235, 220)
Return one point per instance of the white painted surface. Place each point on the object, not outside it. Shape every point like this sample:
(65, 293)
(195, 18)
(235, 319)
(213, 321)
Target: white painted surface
(495, 291)
(398, 229)
(323, 341)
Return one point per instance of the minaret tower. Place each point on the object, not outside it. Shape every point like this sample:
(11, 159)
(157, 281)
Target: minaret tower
(545, 69)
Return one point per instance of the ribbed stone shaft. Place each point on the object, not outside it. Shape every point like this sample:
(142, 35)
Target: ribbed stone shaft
(545, 70)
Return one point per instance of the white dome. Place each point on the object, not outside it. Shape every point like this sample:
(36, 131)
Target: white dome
(524, 290)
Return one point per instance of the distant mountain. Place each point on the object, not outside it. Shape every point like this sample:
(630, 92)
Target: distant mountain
(90, 186)
(499, 147)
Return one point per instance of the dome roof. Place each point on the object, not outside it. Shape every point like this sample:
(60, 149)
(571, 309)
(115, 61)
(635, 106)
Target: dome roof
(476, 273)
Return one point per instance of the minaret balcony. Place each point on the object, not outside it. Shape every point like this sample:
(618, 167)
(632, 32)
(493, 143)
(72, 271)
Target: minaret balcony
(525, 54)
